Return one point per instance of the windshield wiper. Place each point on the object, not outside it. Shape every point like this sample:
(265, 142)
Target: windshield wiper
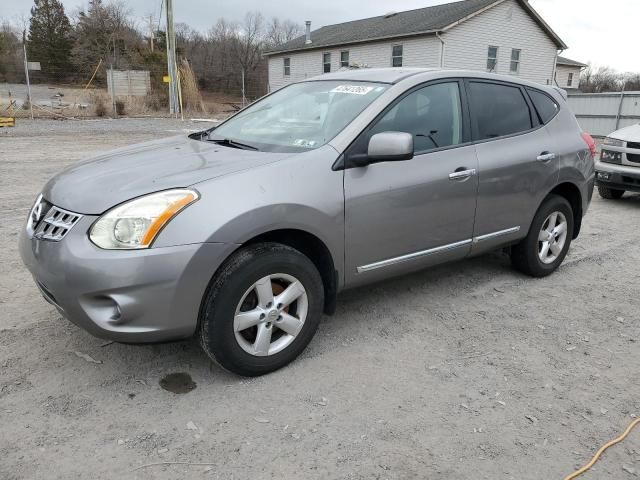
(232, 143)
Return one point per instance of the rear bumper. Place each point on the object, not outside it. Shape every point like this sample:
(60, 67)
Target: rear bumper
(618, 177)
(135, 296)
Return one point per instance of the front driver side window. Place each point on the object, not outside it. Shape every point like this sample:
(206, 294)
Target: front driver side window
(432, 114)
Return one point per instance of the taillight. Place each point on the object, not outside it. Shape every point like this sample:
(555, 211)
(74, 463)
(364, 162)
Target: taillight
(591, 143)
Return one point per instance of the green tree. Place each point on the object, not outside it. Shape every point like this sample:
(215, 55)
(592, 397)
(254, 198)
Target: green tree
(105, 31)
(49, 39)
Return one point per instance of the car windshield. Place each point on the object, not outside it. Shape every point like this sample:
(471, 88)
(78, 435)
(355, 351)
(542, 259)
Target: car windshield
(300, 117)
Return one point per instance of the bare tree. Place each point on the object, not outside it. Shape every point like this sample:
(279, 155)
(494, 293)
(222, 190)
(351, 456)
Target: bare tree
(631, 82)
(599, 80)
(280, 32)
(250, 40)
(10, 53)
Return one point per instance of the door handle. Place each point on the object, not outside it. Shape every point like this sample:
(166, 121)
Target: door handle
(460, 174)
(546, 157)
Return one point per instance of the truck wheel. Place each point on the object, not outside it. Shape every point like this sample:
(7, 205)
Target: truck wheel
(262, 309)
(548, 241)
(610, 193)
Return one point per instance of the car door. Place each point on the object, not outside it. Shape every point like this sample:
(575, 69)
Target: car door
(405, 215)
(516, 158)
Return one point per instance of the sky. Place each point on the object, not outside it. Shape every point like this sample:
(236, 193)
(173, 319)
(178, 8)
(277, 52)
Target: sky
(603, 33)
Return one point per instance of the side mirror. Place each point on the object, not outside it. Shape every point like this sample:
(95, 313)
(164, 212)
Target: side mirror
(390, 147)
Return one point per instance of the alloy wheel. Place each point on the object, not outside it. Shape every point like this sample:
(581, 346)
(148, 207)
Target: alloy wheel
(270, 314)
(552, 237)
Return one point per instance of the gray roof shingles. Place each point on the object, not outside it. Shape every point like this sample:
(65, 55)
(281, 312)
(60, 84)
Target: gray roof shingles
(411, 22)
(569, 62)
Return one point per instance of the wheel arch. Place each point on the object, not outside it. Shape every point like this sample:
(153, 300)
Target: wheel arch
(308, 244)
(571, 193)
(314, 249)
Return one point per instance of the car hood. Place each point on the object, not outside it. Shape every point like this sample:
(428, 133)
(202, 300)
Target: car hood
(627, 134)
(93, 186)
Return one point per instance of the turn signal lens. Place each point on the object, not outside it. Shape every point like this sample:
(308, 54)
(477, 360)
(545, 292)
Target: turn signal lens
(135, 224)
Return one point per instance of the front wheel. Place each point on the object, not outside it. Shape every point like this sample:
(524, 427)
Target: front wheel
(610, 193)
(262, 309)
(548, 241)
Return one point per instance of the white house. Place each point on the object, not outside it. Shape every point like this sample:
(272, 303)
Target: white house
(504, 36)
(568, 73)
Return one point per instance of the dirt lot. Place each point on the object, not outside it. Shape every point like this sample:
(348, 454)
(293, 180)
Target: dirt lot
(466, 371)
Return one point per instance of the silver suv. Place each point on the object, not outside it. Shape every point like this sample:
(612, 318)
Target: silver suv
(618, 170)
(243, 235)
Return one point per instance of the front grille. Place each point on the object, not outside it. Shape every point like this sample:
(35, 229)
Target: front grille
(633, 157)
(55, 224)
(634, 145)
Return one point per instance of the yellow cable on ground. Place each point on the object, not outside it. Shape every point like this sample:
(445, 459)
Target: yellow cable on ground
(626, 433)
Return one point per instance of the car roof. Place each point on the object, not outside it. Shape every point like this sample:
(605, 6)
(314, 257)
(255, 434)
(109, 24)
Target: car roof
(380, 75)
(397, 75)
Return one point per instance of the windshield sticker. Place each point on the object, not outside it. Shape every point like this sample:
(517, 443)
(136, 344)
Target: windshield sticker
(301, 142)
(352, 89)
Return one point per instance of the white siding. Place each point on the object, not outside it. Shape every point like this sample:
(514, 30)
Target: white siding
(562, 76)
(417, 52)
(506, 26)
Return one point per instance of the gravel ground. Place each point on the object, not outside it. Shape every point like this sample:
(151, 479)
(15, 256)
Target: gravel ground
(469, 370)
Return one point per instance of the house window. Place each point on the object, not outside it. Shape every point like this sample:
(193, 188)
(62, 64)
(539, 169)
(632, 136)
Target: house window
(287, 67)
(570, 80)
(492, 59)
(515, 61)
(396, 56)
(326, 62)
(344, 59)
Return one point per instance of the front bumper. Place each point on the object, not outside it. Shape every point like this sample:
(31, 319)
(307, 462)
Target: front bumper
(618, 177)
(133, 296)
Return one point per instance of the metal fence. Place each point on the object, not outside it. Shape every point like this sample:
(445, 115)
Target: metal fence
(602, 113)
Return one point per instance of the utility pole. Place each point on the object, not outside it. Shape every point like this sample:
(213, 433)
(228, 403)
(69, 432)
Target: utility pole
(151, 36)
(114, 104)
(26, 71)
(174, 105)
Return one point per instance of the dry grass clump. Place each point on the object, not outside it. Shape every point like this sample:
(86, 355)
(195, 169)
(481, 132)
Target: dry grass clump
(191, 98)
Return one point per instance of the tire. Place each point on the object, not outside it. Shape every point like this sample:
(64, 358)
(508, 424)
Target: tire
(610, 193)
(527, 256)
(235, 290)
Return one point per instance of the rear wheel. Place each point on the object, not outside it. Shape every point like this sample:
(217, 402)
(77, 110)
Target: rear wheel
(262, 309)
(548, 241)
(610, 193)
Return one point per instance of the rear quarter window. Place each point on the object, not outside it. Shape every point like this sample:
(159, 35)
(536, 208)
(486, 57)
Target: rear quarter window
(498, 110)
(547, 107)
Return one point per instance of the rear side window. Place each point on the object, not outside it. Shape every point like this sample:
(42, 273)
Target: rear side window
(498, 110)
(545, 106)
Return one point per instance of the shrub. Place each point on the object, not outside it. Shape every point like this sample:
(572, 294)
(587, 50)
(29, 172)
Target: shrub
(120, 107)
(101, 109)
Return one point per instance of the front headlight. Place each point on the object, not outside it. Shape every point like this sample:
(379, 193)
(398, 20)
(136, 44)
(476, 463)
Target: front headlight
(136, 223)
(614, 142)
